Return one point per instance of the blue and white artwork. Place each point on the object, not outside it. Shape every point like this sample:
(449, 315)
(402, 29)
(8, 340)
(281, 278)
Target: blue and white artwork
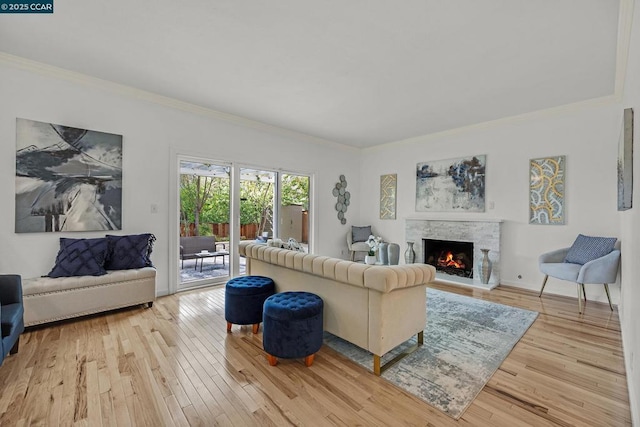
(67, 179)
(451, 185)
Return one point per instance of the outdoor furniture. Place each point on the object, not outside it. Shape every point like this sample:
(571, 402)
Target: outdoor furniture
(191, 246)
(206, 254)
(11, 313)
(243, 300)
(292, 326)
(589, 260)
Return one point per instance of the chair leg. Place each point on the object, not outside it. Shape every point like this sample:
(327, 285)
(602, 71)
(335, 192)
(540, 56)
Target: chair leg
(606, 289)
(584, 294)
(579, 299)
(14, 349)
(229, 327)
(544, 283)
(256, 326)
(353, 255)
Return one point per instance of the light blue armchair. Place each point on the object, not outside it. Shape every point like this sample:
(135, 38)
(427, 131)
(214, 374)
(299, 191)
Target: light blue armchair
(600, 270)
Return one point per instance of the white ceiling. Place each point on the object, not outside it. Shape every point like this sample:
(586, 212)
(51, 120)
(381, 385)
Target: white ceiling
(358, 72)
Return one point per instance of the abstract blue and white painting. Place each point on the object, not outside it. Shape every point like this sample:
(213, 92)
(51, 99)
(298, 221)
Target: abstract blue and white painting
(451, 185)
(67, 179)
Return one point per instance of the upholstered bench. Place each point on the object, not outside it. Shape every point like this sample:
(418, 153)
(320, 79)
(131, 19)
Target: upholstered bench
(49, 299)
(292, 326)
(243, 300)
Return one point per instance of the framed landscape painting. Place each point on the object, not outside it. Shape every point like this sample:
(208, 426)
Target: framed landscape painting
(67, 179)
(546, 190)
(451, 185)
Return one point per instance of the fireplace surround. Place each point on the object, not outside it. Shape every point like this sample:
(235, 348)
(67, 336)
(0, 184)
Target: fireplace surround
(482, 234)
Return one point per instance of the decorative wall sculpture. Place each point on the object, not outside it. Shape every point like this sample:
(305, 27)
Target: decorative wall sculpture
(451, 185)
(625, 162)
(344, 198)
(388, 184)
(67, 179)
(546, 190)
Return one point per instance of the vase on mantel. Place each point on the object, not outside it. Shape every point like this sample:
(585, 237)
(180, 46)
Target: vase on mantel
(409, 254)
(485, 267)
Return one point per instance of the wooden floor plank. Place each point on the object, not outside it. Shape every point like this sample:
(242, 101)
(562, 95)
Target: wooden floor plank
(175, 364)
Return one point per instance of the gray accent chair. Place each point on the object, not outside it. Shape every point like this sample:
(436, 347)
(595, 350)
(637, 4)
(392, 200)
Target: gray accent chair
(358, 246)
(601, 270)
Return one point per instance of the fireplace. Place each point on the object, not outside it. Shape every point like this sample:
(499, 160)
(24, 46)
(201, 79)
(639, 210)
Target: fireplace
(450, 257)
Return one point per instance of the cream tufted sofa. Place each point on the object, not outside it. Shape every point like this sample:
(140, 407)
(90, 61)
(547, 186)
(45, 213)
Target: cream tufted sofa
(374, 307)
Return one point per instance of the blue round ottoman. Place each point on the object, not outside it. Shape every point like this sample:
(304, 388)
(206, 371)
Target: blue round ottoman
(243, 300)
(292, 326)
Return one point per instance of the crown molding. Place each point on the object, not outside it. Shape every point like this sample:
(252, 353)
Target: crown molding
(135, 93)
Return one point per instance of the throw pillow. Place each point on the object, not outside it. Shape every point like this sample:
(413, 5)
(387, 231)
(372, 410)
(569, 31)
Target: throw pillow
(360, 234)
(80, 257)
(588, 248)
(129, 251)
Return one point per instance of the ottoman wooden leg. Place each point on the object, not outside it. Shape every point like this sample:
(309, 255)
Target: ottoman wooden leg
(229, 327)
(309, 360)
(273, 361)
(256, 326)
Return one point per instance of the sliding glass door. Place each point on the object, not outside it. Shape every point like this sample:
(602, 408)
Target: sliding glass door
(205, 195)
(221, 204)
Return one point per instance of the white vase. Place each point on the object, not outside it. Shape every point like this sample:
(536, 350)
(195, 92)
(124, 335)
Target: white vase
(370, 259)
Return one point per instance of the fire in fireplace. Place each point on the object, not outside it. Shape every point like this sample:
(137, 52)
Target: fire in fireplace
(450, 257)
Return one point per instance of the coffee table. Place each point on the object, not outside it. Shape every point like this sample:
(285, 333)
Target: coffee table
(206, 254)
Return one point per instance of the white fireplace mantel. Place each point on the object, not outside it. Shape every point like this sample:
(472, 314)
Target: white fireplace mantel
(483, 233)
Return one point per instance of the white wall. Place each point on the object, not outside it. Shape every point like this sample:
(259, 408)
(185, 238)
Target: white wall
(587, 136)
(150, 131)
(630, 228)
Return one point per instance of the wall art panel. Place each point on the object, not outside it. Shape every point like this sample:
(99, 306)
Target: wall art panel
(451, 185)
(546, 190)
(67, 179)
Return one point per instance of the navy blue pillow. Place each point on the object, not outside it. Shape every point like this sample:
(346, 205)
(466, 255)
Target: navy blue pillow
(130, 251)
(587, 248)
(80, 257)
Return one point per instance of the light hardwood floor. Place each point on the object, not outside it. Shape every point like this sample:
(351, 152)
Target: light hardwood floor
(174, 364)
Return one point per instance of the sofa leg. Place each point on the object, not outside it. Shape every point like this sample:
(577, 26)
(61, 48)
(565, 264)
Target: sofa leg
(150, 304)
(229, 327)
(544, 283)
(14, 349)
(353, 255)
(256, 326)
(273, 361)
(376, 364)
(579, 300)
(606, 289)
(420, 337)
(308, 361)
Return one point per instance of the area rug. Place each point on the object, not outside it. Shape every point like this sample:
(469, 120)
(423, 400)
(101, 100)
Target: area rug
(465, 341)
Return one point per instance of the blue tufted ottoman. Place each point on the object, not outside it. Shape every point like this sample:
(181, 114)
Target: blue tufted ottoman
(243, 300)
(292, 326)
